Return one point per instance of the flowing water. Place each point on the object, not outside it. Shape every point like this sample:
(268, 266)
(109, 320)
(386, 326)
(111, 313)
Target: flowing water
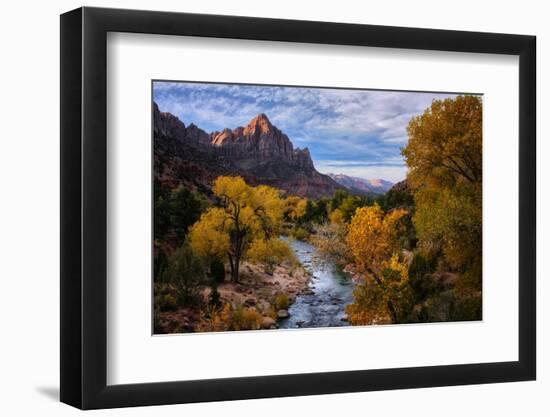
(330, 290)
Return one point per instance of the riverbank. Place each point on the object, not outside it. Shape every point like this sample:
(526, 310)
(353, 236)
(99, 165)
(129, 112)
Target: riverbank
(257, 292)
(328, 293)
(313, 294)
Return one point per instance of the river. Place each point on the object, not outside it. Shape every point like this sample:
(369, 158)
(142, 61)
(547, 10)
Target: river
(330, 290)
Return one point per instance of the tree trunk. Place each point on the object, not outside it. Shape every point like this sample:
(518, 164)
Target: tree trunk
(234, 262)
(393, 313)
(235, 272)
(237, 243)
(232, 266)
(380, 283)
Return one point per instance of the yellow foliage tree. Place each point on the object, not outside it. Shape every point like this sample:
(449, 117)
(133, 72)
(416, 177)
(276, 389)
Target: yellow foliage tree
(295, 207)
(270, 252)
(445, 146)
(336, 217)
(444, 157)
(373, 238)
(246, 213)
(208, 237)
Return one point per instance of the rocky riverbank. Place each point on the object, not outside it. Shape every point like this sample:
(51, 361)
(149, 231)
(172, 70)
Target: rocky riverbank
(257, 291)
(323, 302)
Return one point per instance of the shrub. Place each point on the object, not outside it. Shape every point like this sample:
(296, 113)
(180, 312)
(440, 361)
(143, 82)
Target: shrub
(217, 271)
(215, 320)
(330, 241)
(448, 305)
(165, 297)
(185, 272)
(214, 300)
(167, 302)
(242, 318)
(230, 318)
(281, 301)
(299, 233)
(466, 307)
(270, 252)
(251, 319)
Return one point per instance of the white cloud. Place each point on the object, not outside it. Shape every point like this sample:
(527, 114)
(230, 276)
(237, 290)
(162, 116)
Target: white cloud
(346, 124)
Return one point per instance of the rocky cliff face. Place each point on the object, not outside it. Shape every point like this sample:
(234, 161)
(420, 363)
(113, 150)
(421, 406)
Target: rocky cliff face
(259, 152)
(261, 141)
(167, 125)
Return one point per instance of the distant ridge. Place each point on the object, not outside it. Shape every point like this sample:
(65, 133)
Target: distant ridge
(361, 185)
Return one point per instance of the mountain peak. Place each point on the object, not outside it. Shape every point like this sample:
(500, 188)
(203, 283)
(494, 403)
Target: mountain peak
(262, 122)
(259, 152)
(261, 117)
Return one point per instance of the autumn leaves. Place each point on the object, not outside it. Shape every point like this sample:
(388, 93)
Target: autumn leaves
(247, 221)
(416, 250)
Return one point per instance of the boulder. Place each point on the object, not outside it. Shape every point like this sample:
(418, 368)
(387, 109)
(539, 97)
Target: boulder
(282, 314)
(268, 323)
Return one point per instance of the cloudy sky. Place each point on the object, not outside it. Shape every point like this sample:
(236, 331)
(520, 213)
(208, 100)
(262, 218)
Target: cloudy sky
(353, 132)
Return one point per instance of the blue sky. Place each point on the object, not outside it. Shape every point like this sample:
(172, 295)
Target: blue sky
(353, 132)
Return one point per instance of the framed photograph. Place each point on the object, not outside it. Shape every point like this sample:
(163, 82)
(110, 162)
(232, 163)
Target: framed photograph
(256, 208)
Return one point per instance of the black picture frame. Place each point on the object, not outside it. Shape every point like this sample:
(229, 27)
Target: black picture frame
(84, 207)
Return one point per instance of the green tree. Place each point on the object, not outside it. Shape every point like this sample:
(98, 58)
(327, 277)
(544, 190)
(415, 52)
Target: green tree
(185, 209)
(400, 196)
(217, 270)
(316, 211)
(175, 211)
(337, 198)
(185, 271)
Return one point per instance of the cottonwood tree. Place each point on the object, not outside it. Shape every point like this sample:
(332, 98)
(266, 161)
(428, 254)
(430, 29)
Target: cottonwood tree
(245, 213)
(444, 158)
(374, 240)
(270, 252)
(295, 207)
